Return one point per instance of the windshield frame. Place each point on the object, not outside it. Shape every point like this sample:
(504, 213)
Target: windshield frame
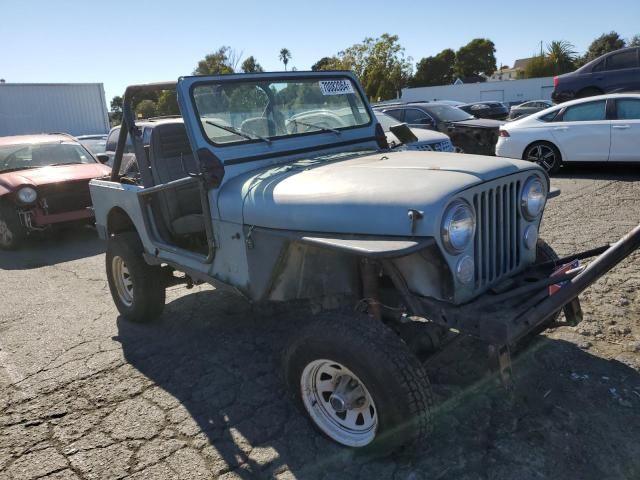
(300, 76)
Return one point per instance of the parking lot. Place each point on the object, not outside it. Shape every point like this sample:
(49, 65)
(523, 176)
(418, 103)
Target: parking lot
(86, 395)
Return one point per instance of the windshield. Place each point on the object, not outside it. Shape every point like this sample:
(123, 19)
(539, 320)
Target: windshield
(23, 156)
(447, 113)
(231, 113)
(95, 145)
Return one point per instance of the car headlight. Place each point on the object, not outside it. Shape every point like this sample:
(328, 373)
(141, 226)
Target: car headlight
(27, 195)
(458, 226)
(533, 198)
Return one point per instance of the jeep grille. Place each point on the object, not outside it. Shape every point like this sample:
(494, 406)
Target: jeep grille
(497, 240)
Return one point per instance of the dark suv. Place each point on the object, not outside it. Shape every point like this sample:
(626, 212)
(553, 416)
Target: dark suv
(613, 72)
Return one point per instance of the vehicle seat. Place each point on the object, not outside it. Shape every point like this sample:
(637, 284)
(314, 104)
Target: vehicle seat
(172, 159)
(261, 126)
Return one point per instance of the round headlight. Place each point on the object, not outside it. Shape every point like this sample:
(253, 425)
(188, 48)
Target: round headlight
(27, 195)
(533, 198)
(465, 269)
(458, 226)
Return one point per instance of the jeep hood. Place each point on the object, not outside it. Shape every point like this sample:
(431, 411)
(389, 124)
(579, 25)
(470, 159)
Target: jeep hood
(366, 194)
(36, 177)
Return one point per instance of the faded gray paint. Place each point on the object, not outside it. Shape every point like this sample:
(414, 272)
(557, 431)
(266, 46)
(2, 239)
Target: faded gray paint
(75, 108)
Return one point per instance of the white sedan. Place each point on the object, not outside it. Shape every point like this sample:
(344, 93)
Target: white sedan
(604, 128)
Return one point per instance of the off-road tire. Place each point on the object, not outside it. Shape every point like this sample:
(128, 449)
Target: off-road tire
(149, 286)
(394, 378)
(12, 232)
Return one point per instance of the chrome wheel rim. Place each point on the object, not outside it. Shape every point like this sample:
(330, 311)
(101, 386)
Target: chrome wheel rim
(6, 236)
(339, 403)
(122, 280)
(543, 155)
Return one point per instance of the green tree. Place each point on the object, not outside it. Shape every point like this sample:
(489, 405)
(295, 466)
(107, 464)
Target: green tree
(285, 56)
(436, 70)
(380, 64)
(251, 65)
(634, 41)
(605, 43)
(167, 103)
(562, 56)
(219, 62)
(476, 57)
(146, 109)
(117, 103)
(539, 66)
(331, 63)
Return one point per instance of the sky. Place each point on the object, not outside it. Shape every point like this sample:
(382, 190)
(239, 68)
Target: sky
(126, 42)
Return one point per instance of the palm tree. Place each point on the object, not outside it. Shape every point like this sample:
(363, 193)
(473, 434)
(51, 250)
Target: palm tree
(285, 55)
(561, 55)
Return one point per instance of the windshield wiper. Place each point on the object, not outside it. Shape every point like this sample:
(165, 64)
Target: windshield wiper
(323, 129)
(242, 134)
(65, 163)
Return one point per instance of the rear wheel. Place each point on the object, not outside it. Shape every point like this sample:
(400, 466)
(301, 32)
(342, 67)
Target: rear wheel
(544, 154)
(12, 232)
(359, 384)
(589, 92)
(137, 288)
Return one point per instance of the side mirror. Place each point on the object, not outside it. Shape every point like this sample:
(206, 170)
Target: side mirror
(102, 157)
(404, 133)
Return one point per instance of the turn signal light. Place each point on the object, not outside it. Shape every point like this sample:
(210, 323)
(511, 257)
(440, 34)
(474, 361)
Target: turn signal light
(504, 133)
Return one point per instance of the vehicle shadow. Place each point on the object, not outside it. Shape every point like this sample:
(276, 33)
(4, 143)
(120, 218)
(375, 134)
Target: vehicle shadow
(53, 247)
(574, 415)
(600, 171)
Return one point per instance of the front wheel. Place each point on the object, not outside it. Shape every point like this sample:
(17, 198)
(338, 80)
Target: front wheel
(137, 288)
(12, 233)
(544, 154)
(359, 384)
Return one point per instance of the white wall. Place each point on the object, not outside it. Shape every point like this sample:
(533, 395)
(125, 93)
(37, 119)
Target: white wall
(75, 108)
(505, 91)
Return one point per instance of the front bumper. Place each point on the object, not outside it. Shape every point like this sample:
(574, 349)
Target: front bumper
(38, 218)
(521, 305)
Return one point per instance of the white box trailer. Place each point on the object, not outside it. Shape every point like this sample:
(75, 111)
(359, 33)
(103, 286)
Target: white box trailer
(509, 91)
(75, 108)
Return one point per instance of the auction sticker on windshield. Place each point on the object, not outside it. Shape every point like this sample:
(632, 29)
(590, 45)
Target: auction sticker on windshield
(336, 87)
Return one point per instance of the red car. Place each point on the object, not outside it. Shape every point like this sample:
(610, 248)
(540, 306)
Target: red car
(44, 180)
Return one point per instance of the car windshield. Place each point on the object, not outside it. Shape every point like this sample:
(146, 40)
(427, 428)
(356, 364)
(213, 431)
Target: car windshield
(234, 112)
(386, 121)
(96, 145)
(23, 156)
(447, 113)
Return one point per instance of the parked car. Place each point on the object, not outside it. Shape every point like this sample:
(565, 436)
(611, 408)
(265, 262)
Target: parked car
(96, 143)
(495, 110)
(427, 140)
(613, 72)
(527, 108)
(468, 133)
(396, 252)
(44, 180)
(604, 128)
